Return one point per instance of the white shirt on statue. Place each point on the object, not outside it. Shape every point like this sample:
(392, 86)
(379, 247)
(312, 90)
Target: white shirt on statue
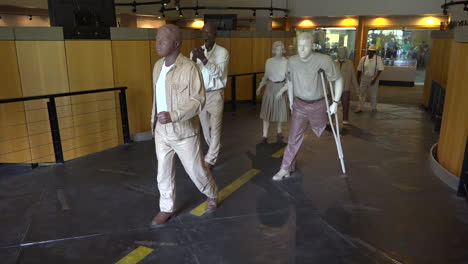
(370, 67)
(276, 69)
(161, 103)
(215, 71)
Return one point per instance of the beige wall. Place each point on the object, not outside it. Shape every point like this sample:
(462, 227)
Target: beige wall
(23, 21)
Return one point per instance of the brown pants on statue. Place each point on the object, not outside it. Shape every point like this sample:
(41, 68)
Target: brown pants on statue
(345, 103)
(303, 114)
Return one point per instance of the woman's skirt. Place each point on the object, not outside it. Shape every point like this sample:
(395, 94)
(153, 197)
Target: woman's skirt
(274, 110)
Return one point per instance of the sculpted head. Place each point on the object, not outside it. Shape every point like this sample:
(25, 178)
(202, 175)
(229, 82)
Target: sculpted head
(342, 53)
(304, 45)
(168, 40)
(278, 48)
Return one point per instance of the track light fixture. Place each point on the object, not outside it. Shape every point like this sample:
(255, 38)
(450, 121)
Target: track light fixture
(30, 17)
(196, 8)
(465, 8)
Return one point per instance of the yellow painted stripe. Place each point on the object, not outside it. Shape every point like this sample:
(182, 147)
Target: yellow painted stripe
(279, 153)
(136, 255)
(228, 190)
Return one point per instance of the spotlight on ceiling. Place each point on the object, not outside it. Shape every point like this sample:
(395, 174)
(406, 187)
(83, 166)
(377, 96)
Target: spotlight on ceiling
(196, 12)
(254, 12)
(271, 13)
(285, 14)
(30, 17)
(134, 10)
(465, 8)
(180, 13)
(177, 5)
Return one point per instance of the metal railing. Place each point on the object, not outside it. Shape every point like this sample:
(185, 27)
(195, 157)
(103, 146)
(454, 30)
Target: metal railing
(234, 90)
(463, 183)
(436, 103)
(54, 120)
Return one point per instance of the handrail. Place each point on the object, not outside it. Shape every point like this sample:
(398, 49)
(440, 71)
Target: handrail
(233, 88)
(244, 74)
(38, 97)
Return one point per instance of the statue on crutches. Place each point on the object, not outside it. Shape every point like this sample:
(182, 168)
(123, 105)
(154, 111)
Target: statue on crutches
(308, 99)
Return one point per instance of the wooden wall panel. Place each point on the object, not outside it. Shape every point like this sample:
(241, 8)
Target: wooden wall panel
(241, 55)
(14, 142)
(154, 55)
(187, 46)
(261, 50)
(438, 66)
(43, 70)
(90, 66)
(132, 68)
(244, 87)
(241, 62)
(198, 42)
(454, 130)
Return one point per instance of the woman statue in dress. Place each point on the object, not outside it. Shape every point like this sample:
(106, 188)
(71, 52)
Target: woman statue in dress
(274, 109)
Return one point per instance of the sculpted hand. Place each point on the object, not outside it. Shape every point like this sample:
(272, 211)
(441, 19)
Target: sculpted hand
(164, 117)
(259, 90)
(333, 108)
(201, 55)
(194, 55)
(279, 95)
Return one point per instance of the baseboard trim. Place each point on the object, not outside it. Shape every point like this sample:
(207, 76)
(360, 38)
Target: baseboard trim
(443, 174)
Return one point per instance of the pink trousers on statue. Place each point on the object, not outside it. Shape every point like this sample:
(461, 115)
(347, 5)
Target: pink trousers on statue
(303, 113)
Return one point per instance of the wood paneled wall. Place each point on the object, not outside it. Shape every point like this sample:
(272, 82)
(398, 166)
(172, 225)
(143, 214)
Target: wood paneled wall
(43, 70)
(90, 66)
(454, 130)
(14, 140)
(91, 123)
(438, 66)
(133, 68)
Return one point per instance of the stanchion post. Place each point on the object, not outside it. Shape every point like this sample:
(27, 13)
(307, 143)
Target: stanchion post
(55, 130)
(124, 115)
(233, 93)
(254, 86)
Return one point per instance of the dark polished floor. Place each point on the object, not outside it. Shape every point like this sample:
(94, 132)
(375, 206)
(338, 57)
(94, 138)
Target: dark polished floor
(389, 209)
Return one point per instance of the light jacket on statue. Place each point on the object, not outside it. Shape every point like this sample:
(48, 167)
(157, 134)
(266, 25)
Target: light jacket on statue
(185, 97)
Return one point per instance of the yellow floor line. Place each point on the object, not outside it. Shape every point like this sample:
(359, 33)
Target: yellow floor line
(279, 153)
(136, 255)
(228, 190)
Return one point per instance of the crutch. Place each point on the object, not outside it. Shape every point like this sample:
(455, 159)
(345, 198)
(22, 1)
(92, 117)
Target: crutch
(336, 132)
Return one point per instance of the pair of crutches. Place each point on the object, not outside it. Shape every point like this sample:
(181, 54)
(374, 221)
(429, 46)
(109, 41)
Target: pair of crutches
(335, 126)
